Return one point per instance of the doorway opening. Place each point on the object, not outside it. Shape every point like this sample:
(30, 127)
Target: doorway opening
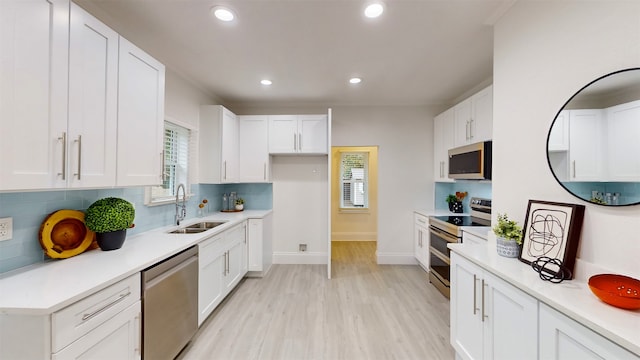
(354, 205)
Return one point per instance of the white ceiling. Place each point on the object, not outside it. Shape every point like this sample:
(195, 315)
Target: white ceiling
(419, 52)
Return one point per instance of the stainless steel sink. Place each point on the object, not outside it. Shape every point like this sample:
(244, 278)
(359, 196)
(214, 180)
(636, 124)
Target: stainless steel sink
(197, 227)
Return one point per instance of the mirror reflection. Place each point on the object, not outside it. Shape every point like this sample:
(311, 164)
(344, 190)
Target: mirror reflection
(593, 147)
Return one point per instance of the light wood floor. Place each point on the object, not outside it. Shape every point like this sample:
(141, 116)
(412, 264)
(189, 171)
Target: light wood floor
(367, 311)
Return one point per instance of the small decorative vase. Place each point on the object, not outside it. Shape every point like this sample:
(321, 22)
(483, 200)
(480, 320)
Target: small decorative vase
(239, 207)
(507, 248)
(111, 240)
(455, 206)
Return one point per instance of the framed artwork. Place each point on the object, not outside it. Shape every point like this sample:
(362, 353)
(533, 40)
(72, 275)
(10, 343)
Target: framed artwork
(552, 230)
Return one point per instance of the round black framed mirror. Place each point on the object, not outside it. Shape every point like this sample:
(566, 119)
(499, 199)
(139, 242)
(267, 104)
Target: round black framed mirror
(593, 145)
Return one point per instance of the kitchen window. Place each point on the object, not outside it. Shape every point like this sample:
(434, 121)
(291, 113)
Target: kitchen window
(177, 145)
(354, 176)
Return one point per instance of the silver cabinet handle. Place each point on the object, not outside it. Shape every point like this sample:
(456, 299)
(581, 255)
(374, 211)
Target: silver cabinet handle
(483, 314)
(295, 142)
(224, 271)
(421, 221)
(79, 141)
(573, 166)
(264, 171)
(471, 129)
(300, 141)
(63, 138)
(86, 317)
(419, 238)
(475, 302)
(225, 170)
(163, 174)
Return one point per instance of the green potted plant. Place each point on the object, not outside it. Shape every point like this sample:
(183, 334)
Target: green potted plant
(455, 201)
(110, 218)
(239, 204)
(508, 236)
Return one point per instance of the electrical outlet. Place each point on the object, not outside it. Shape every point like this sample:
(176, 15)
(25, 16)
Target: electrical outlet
(302, 247)
(6, 228)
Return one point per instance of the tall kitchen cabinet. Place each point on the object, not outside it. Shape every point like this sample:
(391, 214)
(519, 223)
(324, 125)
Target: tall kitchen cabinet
(81, 107)
(473, 118)
(483, 311)
(219, 149)
(254, 160)
(34, 68)
(442, 142)
(298, 134)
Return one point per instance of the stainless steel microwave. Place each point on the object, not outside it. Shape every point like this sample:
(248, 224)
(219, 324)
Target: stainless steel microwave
(471, 162)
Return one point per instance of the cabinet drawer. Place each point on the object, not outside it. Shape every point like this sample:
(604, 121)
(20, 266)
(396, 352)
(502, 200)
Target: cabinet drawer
(85, 315)
(210, 249)
(421, 220)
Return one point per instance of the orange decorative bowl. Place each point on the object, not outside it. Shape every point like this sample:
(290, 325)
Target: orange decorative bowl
(617, 290)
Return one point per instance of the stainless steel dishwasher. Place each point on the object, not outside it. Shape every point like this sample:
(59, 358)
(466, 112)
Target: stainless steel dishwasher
(170, 305)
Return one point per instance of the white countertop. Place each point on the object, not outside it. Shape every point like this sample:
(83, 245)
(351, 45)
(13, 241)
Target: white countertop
(480, 231)
(572, 298)
(49, 287)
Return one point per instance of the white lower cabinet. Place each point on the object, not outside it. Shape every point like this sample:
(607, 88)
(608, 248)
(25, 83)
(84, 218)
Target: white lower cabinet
(421, 240)
(564, 339)
(260, 248)
(222, 262)
(103, 325)
(490, 319)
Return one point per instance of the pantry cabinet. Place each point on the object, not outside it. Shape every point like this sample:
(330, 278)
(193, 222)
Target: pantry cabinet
(298, 134)
(34, 38)
(564, 339)
(421, 240)
(103, 325)
(222, 262)
(218, 142)
(473, 118)
(254, 160)
(490, 319)
(442, 142)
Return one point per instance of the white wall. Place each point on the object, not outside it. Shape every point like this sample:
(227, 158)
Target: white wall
(405, 163)
(183, 100)
(543, 53)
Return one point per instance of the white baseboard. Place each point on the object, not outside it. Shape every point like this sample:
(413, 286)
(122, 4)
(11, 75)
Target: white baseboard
(396, 258)
(307, 258)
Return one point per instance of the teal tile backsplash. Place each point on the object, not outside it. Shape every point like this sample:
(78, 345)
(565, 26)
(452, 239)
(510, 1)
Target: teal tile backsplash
(29, 209)
(474, 188)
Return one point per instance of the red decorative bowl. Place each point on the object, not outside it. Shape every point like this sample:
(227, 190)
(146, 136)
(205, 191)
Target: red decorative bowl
(617, 290)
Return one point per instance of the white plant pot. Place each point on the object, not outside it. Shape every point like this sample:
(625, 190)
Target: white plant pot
(239, 207)
(507, 248)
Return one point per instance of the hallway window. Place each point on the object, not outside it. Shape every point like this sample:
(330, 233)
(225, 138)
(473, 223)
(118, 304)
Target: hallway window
(354, 176)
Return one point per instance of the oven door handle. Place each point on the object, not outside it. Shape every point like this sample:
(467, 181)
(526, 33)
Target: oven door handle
(440, 255)
(443, 234)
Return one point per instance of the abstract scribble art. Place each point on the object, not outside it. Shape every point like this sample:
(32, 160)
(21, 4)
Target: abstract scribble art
(551, 230)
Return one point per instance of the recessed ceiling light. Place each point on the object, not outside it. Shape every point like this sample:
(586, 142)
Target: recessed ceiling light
(266, 82)
(222, 13)
(355, 80)
(374, 10)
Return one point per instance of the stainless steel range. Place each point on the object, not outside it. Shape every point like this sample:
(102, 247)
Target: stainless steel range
(448, 229)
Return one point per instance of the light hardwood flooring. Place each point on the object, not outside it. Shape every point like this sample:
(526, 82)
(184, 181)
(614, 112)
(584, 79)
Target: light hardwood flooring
(366, 311)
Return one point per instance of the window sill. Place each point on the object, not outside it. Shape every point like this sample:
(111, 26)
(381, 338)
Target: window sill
(166, 201)
(354, 211)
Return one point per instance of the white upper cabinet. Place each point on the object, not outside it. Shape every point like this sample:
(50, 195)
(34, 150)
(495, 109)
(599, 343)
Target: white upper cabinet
(586, 137)
(140, 117)
(298, 134)
(34, 37)
(442, 142)
(254, 149)
(623, 145)
(559, 134)
(474, 118)
(219, 149)
(93, 106)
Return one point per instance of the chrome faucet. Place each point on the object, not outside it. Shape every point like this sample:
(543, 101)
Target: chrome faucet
(181, 211)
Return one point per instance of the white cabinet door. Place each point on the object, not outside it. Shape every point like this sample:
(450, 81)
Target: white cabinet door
(586, 138)
(466, 317)
(140, 117)
(34, 37)
(230, 148)
(117, 338)
(312, 134)
(564, 339)
(510, 321)
(283, 134)
(211, 269)
(469, 238)
(236, 256)
(442, 141)
(254, 245)
(421, 240)
(462, 130)
(219, 145)
(481, 125)
(254, 149)
(559, 134)
(623, 147)
(93, 116)
(490, 319)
